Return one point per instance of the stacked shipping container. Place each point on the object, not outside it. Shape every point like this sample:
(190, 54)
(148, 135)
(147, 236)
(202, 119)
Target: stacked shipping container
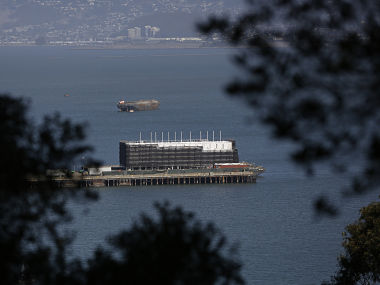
(176, 155)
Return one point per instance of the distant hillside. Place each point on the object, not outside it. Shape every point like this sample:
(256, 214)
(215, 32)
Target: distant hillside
(102, 20)
(171, 24)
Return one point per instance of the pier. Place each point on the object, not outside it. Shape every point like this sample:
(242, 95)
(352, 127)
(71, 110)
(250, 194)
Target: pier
(179, 177)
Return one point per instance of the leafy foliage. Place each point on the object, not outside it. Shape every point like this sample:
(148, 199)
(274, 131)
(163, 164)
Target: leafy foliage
(312, 73)
(175, 249)
(30, 240)
(360, 264)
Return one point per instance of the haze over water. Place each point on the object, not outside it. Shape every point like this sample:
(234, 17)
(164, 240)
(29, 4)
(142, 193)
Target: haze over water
(281, 241)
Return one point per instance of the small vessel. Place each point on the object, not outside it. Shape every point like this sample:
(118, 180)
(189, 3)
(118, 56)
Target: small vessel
(139, 105)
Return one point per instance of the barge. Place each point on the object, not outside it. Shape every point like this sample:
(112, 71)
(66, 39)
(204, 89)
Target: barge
(159, 162)
(139, 105)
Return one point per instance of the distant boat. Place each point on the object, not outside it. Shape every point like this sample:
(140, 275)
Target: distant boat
(139, 105)
(67, 95)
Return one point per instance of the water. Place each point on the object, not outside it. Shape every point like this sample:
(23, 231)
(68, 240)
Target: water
(281, 241)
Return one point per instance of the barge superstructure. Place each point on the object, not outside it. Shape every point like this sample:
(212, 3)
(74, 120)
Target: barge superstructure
(176, 154)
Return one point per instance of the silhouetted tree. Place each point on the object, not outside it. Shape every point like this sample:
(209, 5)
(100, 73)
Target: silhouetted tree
(176, 248)
(317, 86)
(360, 263)
(32, 246)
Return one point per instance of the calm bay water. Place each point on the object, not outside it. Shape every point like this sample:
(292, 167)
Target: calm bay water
(281, 241)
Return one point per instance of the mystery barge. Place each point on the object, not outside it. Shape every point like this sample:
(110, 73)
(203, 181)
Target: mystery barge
(159, 162)
(139, 105)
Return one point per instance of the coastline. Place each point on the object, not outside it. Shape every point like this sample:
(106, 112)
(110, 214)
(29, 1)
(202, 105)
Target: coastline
(137, 46)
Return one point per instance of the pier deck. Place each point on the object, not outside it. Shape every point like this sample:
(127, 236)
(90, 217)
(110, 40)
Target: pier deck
(161, 178)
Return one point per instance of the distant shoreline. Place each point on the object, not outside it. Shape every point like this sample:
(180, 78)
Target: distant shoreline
(143, 46)
(147, 47)
(163, 45)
